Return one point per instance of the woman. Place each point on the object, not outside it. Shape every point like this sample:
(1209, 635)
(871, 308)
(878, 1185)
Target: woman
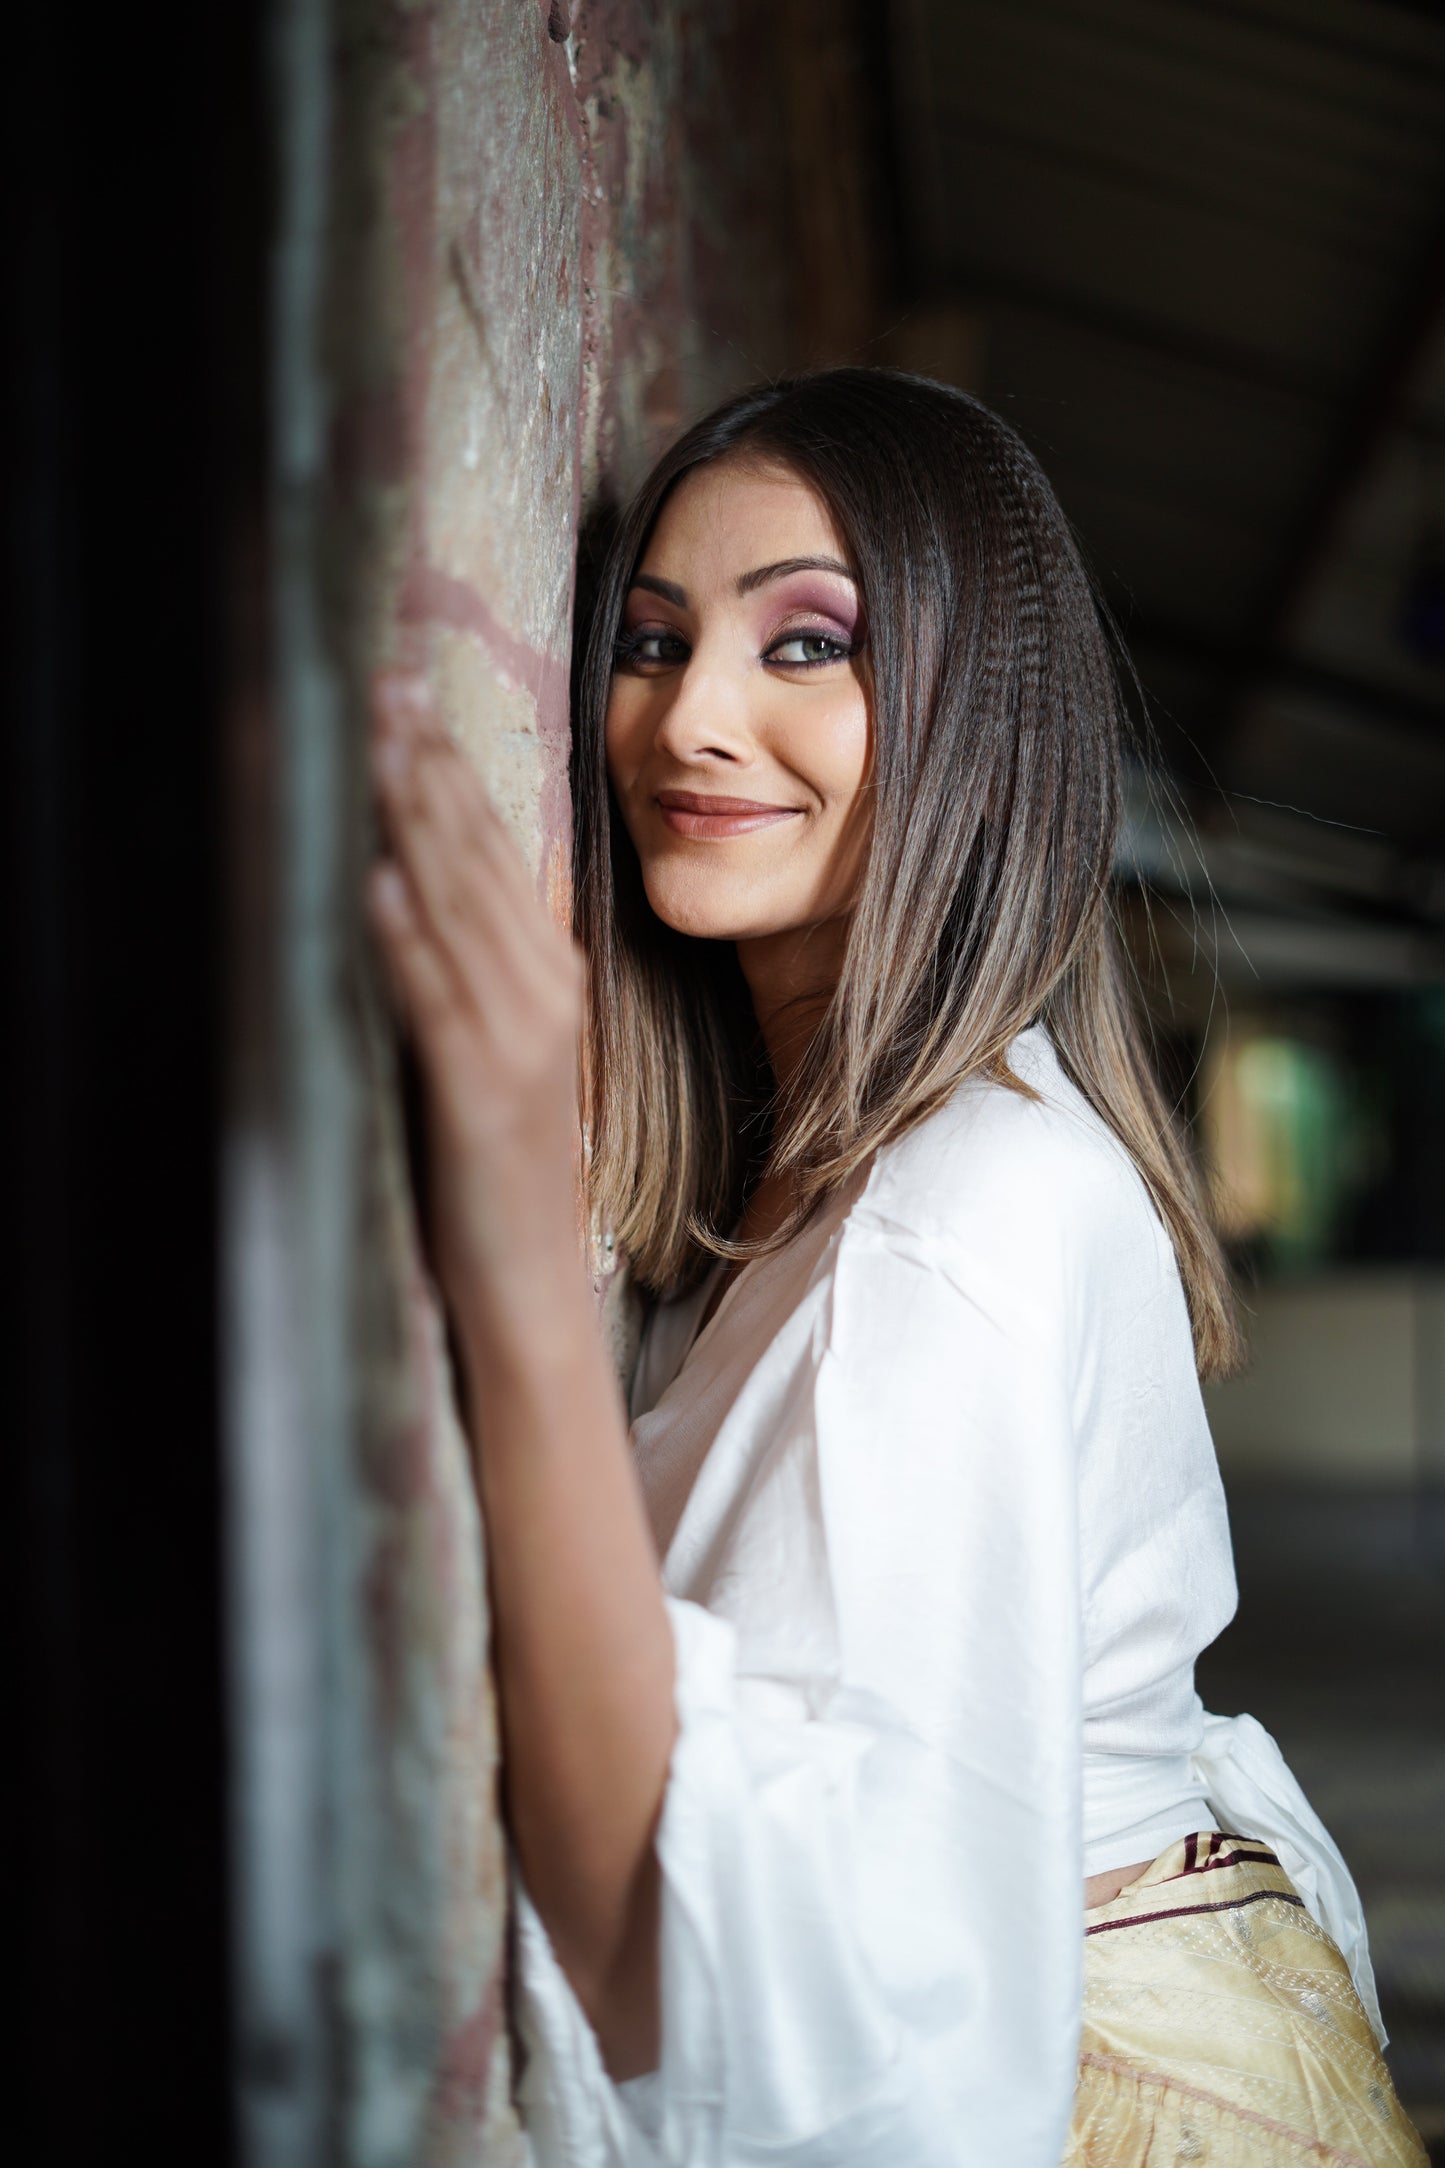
(801, 1819)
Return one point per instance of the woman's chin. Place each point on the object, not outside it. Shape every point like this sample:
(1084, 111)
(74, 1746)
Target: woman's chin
(689, 907)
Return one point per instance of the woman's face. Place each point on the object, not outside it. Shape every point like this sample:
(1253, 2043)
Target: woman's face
(738, 727)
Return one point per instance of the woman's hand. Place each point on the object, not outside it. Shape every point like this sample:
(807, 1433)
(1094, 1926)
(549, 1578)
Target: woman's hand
(491, 993)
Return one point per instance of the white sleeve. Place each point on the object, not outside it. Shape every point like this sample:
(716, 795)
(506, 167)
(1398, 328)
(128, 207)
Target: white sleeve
(871, 1931)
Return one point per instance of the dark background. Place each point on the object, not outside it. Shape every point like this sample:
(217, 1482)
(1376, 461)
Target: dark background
(135, 252)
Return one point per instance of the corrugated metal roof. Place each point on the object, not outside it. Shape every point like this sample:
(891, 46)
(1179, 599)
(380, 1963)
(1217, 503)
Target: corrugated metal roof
(1204, 243)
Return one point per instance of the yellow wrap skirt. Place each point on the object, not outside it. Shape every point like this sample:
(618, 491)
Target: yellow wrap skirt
(1222, 2029)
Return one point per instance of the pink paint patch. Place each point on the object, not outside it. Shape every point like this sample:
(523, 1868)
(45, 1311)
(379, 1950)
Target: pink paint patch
(433, 597)
(466, 2064)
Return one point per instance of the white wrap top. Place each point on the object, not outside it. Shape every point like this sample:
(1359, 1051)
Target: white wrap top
(942, 1534)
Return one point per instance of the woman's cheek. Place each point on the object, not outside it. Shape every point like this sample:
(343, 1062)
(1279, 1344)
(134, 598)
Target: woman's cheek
(843, 751)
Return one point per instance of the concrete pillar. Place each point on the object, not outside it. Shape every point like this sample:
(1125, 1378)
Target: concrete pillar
(517, 244)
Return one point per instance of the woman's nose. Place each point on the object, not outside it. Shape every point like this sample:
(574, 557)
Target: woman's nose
(706, 711)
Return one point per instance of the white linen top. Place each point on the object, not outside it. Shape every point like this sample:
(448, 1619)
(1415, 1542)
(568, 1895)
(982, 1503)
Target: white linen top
(942, 1533)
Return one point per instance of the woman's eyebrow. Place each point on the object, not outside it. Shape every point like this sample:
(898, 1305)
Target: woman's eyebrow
(668, 589)
(764, 573)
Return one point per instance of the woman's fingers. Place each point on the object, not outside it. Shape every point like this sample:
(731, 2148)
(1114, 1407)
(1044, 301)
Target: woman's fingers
(489, 990)
(512, 979)
(490, 949)
(399, 703)
(462, 808)
(468, 876)
(420, 979)
(406, 713)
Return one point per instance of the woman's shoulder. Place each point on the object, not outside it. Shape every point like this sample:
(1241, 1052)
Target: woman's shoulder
(1013, 1172)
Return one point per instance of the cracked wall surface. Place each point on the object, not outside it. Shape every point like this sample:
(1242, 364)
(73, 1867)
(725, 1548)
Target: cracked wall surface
(519, 244)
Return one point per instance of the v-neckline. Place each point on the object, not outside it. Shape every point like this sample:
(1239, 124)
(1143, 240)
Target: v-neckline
(707, 1318)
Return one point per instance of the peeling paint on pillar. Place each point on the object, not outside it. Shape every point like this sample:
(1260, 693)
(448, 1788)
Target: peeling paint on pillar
(552, 232)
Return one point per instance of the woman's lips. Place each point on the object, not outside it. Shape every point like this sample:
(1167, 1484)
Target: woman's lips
(699, 813)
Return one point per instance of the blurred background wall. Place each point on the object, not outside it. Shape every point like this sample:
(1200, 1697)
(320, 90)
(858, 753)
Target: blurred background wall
(339, 322)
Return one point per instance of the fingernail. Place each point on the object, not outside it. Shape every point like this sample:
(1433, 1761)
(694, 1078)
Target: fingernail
(388, 891)
(392, 759)
(405, 692)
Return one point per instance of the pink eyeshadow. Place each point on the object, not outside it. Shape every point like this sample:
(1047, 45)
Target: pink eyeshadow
(835, 605)
(644, 609)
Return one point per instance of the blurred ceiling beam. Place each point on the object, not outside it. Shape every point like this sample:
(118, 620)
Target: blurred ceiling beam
(1246, 13)
(1368, 420)
(1360, 701)
(1146, 334)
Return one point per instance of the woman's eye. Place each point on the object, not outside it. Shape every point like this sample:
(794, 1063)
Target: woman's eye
(809, 648)
(648, 647)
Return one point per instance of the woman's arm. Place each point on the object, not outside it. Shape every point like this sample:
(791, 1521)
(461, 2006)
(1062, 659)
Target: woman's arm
(870, 1847)
(491, 993)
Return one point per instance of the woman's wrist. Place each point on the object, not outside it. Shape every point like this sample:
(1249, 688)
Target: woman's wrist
(513, 1208)
(525, 1314)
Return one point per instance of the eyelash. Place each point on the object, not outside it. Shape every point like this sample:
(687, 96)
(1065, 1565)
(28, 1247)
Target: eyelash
(628, 649)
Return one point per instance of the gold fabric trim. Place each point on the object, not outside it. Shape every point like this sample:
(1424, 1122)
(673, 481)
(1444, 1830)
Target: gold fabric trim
(1222, 2029)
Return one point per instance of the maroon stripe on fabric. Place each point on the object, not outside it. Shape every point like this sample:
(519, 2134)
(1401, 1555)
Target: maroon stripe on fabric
(1226, 1859)
(1250, 1852)
(1179, 1912)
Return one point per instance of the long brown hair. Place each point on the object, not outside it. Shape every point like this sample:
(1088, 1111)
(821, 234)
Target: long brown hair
(997, 726)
